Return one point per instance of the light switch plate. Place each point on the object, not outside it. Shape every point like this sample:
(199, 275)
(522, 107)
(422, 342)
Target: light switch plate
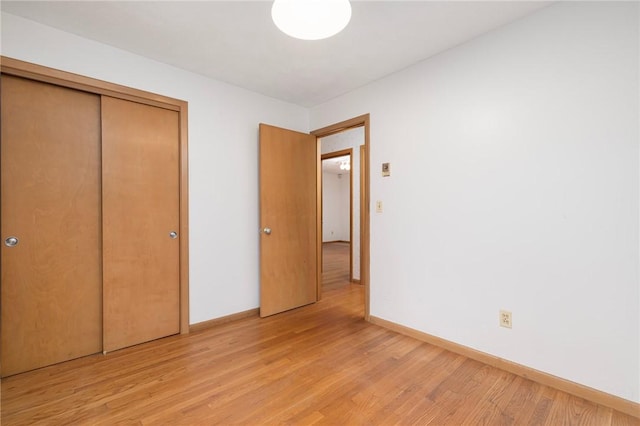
(386, 169)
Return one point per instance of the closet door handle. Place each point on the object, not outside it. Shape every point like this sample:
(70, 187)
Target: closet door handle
(173, 235)
(11, 241)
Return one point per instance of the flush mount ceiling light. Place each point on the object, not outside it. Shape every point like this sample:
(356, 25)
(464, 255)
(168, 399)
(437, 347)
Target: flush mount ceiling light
(311, 19)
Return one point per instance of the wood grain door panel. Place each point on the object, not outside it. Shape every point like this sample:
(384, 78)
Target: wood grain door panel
(50, 185)
(288, 269)
(140, 154)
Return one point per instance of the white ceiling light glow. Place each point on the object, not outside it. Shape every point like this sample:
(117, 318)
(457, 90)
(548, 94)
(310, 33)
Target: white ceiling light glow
(344, 165)
(311, 19)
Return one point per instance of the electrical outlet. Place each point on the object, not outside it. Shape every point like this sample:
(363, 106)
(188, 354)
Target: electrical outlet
(505, 319)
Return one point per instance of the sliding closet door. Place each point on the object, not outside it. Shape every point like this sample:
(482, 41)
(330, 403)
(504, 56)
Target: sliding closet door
(140, 190)
(51, 264)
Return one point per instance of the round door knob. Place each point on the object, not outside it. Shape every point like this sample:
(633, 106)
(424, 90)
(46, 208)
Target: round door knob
(11, 242)
(173, 235)
(267, 231)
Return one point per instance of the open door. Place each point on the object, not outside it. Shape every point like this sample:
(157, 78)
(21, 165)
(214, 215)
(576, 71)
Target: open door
(288, 238)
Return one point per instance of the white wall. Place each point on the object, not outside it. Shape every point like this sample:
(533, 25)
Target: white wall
(223, 125)
(514, 185)
(335, 207)
(352, 138)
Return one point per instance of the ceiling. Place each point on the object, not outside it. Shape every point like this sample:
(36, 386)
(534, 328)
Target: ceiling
(236, 41)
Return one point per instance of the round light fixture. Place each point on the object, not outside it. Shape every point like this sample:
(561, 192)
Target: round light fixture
(311, 19)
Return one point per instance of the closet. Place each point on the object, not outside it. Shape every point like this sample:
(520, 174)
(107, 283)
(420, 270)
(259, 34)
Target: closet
(92, 218)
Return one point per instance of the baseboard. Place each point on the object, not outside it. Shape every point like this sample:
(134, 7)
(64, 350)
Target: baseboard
(355, 281)
(623, 405)
(223, 320)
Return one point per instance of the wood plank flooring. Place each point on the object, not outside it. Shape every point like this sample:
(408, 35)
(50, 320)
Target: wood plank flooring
(320, 364)
(335, 265)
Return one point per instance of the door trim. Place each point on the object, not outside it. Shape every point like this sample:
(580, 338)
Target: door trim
(360, 121)
(327, 156)
(363, 183)
(41, 73)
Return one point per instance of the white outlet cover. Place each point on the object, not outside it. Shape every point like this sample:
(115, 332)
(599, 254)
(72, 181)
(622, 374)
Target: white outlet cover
(505, 319)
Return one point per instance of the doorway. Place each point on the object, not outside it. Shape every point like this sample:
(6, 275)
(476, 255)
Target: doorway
(337, 215)
(351, 136)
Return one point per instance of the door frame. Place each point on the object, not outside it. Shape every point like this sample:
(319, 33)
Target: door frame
(359, 121)
(41, 73)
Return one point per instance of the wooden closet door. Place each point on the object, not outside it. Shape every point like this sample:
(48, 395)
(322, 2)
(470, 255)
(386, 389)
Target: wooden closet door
(140, 190)
(50, 172)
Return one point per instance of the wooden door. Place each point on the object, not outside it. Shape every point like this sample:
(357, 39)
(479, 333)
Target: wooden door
(288, 251)
(140, 154)
(50, 172)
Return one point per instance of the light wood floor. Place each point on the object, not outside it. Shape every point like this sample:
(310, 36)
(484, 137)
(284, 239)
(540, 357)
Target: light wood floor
(321, 364)
(335, 266)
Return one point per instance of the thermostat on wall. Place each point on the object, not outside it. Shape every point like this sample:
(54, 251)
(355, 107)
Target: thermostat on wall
(386, 169)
